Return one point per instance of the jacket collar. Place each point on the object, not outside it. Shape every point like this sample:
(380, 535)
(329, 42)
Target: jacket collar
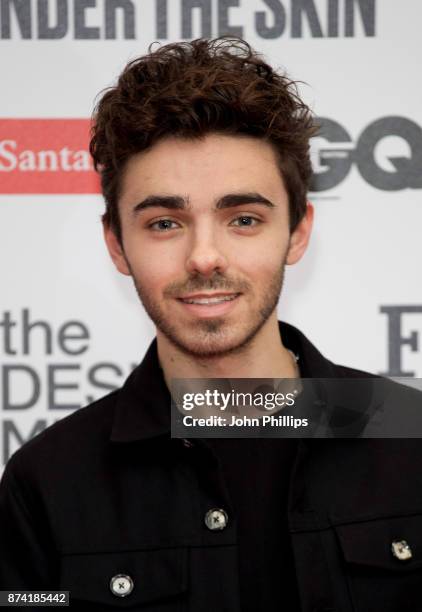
(142, 409)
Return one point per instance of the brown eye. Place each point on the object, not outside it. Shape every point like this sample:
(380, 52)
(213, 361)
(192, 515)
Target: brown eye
(163, 225)
(245, 221)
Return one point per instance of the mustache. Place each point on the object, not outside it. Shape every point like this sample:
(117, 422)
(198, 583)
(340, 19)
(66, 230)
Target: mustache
(200, 283)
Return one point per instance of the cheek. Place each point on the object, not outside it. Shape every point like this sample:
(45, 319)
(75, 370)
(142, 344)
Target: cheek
(261, 261)
(154, 271)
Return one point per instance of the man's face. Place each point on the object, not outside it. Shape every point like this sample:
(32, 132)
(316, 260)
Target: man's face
(205, 229)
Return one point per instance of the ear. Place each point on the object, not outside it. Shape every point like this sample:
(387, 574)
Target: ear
(300, 237)
(115, 249)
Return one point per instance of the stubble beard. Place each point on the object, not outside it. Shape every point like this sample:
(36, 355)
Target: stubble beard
(211, 338)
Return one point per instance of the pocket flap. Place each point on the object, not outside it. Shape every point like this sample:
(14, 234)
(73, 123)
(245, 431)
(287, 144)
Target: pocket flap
(155, 574)
(372, 542)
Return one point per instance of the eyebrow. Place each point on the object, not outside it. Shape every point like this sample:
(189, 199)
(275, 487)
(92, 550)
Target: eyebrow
(180, 203)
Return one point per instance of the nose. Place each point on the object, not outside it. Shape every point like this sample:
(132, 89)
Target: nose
(205, 256)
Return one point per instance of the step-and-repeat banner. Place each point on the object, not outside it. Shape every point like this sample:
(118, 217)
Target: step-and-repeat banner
(72, 328)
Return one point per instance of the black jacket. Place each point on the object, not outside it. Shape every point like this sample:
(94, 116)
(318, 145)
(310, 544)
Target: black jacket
(107, 492)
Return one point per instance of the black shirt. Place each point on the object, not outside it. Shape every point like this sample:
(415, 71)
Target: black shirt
(257, 473)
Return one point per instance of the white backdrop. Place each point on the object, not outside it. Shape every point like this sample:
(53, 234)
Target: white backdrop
(361, 65)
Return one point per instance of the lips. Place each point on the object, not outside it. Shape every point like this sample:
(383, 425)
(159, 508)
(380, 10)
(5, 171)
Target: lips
(209, 300)
(209, 305)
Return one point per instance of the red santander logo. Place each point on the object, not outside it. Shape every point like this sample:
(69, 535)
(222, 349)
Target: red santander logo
(46, 156)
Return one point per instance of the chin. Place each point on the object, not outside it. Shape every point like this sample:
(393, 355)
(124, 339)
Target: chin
(210, 342)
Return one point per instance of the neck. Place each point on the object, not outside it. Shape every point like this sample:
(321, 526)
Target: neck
(264, 357)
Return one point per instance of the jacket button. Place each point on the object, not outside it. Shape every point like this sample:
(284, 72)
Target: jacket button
(216, 519)
(401, 550)
(121, 585)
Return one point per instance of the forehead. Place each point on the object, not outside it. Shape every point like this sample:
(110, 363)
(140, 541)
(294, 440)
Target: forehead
(203, 169)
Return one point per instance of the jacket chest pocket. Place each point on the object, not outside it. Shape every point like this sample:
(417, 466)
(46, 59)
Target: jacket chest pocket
(147, 580)
(383, 561)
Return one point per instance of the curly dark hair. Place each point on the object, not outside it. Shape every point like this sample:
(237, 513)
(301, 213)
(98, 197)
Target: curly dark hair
(189, 89)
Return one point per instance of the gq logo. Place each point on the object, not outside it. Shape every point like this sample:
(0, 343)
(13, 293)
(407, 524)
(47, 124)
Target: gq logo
(332, 164)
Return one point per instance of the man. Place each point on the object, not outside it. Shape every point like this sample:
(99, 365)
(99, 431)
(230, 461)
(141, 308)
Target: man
(203, 152)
